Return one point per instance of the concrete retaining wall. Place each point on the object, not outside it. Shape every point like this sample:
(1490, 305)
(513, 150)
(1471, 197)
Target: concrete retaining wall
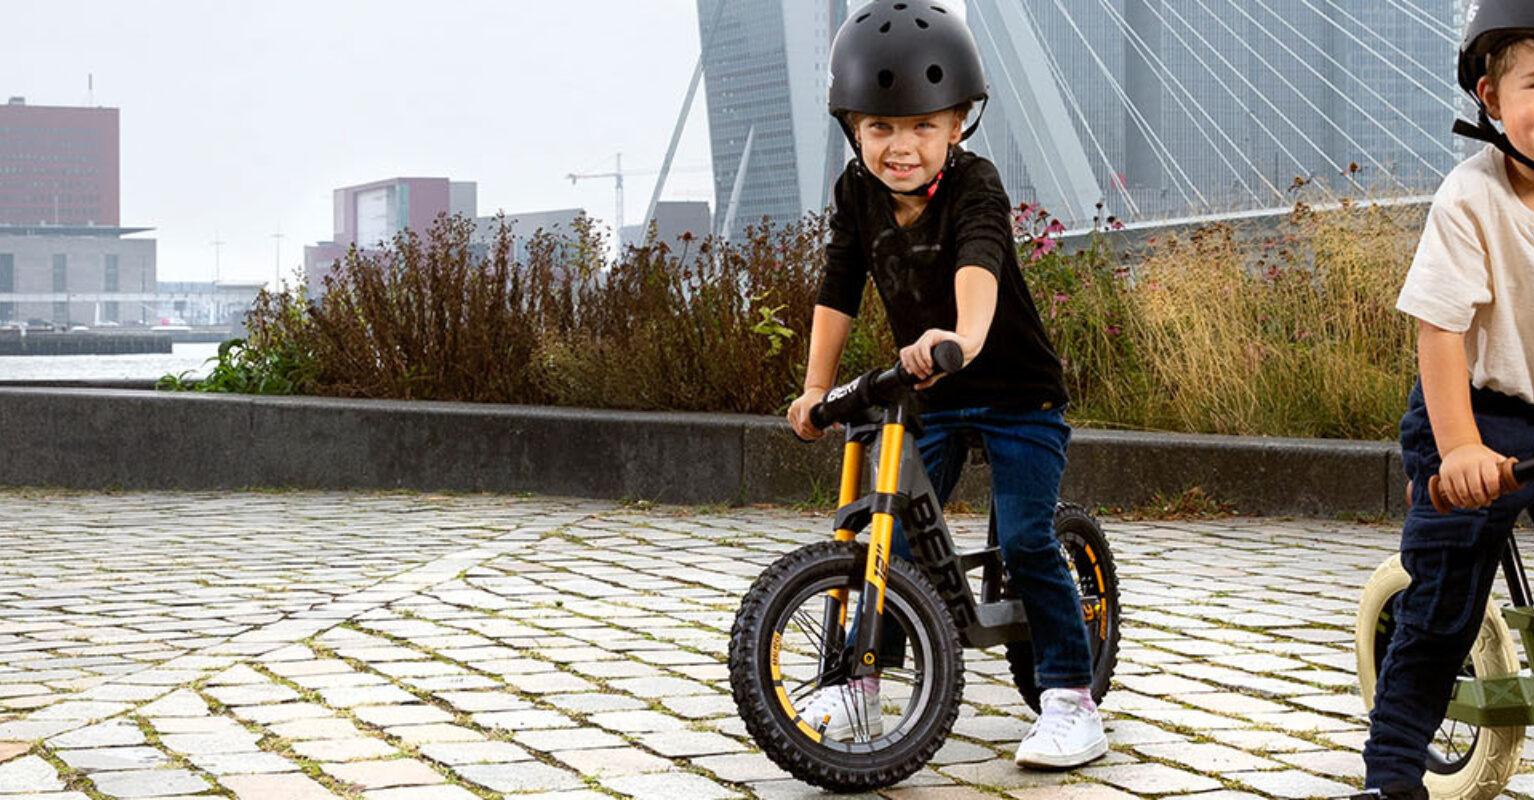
(109, 438)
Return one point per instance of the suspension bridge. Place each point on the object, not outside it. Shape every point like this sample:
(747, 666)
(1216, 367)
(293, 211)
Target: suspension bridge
(1150, 111)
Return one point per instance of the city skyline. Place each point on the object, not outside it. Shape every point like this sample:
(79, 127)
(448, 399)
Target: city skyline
(242, 132)
(238, 121)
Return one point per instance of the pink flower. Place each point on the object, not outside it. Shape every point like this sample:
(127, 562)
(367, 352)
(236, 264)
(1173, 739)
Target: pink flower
(1114, 330)
(1055, 227)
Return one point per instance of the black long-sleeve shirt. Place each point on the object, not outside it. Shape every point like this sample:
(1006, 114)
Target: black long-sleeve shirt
(968, 222)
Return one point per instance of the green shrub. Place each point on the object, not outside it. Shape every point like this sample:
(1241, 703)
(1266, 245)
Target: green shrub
(1280, 331)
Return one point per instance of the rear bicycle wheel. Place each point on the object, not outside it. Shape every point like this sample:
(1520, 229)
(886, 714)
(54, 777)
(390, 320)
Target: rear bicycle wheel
(1464, 762)
(1086, 552)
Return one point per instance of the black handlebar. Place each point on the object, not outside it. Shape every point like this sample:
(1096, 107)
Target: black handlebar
(876, 388)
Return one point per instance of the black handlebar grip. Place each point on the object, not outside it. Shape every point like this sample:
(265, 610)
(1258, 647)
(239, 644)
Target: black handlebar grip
(818, 418)
(947, 356)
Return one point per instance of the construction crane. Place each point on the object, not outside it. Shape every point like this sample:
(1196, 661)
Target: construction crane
(617, 175)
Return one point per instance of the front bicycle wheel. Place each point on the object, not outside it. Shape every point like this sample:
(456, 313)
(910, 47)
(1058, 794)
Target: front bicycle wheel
(1464, 762)
(783, 639)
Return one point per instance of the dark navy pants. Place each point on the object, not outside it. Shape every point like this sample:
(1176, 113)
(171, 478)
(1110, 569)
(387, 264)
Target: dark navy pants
(1453, 560)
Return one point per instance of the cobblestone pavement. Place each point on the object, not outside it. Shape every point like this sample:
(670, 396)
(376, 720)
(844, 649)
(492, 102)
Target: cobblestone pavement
(395, 647)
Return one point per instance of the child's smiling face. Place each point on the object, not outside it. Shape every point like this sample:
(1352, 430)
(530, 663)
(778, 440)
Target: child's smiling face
(906, 152)
(1509, 96)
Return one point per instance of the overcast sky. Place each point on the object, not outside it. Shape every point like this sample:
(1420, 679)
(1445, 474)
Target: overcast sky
(240, 117)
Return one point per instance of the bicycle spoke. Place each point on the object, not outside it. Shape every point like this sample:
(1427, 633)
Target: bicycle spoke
(812, 630)
(809, 624)
(813, 683)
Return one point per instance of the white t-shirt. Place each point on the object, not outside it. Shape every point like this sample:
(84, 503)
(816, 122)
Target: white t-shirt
(1474, 273)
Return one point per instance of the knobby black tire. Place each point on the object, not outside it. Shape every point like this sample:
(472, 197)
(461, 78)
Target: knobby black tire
(755, 697)
(1074, 522)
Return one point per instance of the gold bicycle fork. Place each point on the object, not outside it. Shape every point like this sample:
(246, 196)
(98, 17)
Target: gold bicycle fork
(881, 534)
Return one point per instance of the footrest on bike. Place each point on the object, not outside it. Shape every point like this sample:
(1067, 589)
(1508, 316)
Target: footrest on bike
(1519, 618)
(973, 559)
(1493, 702)
(996, 623)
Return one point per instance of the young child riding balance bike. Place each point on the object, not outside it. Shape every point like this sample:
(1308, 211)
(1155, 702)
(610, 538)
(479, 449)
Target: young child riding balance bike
(1471, 289)
(932, 225)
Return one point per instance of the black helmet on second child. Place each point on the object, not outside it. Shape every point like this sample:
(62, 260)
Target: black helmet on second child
(904, 58)
(1490, 25)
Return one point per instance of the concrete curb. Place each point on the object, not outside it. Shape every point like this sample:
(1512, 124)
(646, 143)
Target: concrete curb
(114, 438)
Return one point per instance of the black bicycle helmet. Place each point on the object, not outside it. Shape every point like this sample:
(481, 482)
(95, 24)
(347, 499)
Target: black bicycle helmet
(1487, 21)
(902, 58)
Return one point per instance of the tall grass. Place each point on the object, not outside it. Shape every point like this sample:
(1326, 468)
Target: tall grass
(1281, 331)
(1234, 330)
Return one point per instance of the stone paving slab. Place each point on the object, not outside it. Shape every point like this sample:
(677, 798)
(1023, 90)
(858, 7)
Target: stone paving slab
(424, 647)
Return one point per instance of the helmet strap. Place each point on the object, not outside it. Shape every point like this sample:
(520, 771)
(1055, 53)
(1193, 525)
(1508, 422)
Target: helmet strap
(974, 126)
(1485, 131)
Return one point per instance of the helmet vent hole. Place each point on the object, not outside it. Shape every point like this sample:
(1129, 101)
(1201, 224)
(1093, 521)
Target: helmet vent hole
(935, 74)
(885, 28)
(900, 6)
(862, 17)
(921, 23)
(886, 78)
(940, 9)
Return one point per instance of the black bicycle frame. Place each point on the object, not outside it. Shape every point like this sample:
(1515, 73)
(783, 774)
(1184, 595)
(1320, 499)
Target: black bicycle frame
(914, 501)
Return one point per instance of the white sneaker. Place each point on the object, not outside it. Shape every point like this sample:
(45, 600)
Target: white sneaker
(849, 711)
(1067, 733)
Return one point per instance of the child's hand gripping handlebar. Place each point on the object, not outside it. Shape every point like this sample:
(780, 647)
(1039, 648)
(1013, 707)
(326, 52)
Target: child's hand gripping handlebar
(1515, 474)
(878, 388)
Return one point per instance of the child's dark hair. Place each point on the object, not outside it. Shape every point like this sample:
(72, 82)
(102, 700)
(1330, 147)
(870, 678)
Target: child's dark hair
(1501, 51)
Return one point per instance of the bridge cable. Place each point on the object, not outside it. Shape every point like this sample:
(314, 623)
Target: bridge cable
(1137, 117)
(1021, 106)
(1151, 57)
(1070, 95)
(1217, 75)
(1263, 96)
(1344, 95)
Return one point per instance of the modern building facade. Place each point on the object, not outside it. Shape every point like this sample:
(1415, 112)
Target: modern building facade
(523, 227)
(371, 214)
(76, 275)
(673, 221)
(765, 64)
(64, 259)
(206, 303)
(58, 165)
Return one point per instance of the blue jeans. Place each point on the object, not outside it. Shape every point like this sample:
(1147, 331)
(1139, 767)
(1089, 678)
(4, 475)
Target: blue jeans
(1453, 560)
(1027, 454)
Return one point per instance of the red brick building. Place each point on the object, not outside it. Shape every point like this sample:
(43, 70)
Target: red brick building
(58, 165)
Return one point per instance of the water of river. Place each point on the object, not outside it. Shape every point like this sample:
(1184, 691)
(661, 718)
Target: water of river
(144, 366)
